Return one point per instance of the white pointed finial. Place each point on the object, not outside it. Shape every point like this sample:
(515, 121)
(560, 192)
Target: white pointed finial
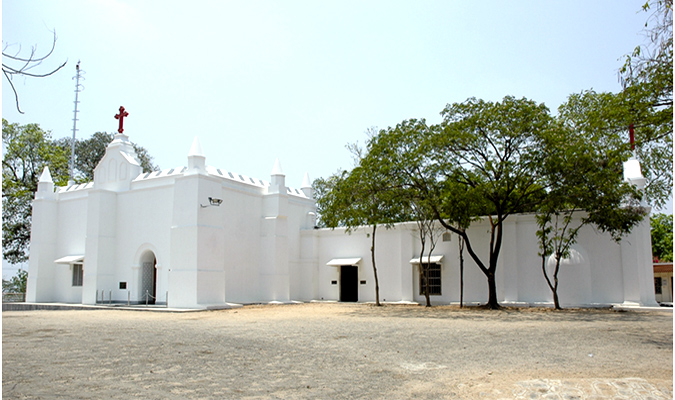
(633, 173)
(307, 186)
(196, 149)
(306, 182)
(46, 176)
(276, 170)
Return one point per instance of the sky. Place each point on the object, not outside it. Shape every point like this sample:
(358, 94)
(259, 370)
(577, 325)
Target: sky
(299, 80)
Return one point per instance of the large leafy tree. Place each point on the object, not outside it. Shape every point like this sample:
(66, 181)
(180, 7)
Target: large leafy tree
(400, 155)
(481, 161)
(360, 197)
(584, 186)
(486, 154)
(27, 151)
(647, 76)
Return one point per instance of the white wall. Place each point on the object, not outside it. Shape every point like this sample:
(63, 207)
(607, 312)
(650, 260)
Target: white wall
(595, 277)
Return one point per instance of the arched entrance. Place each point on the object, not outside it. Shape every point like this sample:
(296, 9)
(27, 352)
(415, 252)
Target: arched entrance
(148, 292)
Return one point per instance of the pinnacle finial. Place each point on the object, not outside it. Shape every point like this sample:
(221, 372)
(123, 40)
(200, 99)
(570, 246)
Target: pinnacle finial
(276, 170)
(46, 176)
(306, 182)
(196, 148)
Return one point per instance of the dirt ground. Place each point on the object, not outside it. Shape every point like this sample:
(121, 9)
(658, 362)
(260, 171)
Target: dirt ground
(337, 351)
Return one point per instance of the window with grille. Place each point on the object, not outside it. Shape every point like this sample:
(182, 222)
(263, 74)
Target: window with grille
(657, 285)
(77, 274)
(434, 279)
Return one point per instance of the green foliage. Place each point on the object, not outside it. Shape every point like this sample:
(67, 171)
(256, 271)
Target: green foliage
(490, 153)
(17, 283)
(582, 174)
(363, 196)
(28, 150)
(662, 237)
(647, 76)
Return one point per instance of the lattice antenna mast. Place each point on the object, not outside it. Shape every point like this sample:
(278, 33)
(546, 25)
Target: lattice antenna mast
(78, 88)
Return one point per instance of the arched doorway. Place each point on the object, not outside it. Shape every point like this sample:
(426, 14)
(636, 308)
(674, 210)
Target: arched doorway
(148, 292)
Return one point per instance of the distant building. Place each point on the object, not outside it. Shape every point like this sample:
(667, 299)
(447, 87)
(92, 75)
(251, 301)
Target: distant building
(663, 282)
(202, 237)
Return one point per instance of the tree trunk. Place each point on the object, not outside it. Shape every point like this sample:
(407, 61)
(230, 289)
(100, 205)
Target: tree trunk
(495, 247)
(556, 301)
(492, 303)
(461, 272)
(372, 255)
(552, 286)
(426, 285)
(424, 276)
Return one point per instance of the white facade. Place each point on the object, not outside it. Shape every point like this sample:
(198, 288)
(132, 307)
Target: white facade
(163, 237)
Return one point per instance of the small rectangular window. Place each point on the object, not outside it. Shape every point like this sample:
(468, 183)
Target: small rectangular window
(77, 274)
(434, 279)
(363, 282)
(333, 282)
(657, 285)
(123, 285)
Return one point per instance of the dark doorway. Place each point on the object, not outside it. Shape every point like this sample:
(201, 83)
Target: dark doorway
(349, 283)
(149, 282)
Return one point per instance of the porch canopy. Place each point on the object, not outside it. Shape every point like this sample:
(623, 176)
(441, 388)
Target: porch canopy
(76, 259)
(337, 262)
(427, 259)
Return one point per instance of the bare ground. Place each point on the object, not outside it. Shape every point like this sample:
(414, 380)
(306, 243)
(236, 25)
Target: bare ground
(337, 351)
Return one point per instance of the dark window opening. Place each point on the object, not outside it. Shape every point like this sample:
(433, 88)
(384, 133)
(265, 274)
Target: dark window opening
(78, 273)
(434, 275)
(657, 285)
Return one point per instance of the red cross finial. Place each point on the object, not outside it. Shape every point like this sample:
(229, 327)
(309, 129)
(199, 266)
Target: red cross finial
(121, 116)
(631, 132)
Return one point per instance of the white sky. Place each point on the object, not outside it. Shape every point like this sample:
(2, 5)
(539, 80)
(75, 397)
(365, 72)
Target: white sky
(298, 80)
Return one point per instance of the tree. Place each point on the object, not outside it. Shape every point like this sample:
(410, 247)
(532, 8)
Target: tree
(401, 157)
(460, 244)
(647, 78)
(15, 65)
(485, 155)
(28, 150)
(17, 283)
(662, 237)
(478, 162)
(358, 198)
(428, 229)
(581, 169)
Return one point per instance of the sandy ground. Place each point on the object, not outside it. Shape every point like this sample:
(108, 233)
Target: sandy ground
(337, 351)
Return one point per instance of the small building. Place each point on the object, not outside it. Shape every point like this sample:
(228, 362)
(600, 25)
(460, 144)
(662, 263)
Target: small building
(663, 282)
(197, 236)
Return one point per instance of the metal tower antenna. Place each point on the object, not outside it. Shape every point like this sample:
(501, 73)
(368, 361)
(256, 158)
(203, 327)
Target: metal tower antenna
(78, 88)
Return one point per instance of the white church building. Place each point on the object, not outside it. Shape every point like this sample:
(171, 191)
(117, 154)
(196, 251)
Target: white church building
(202, 237)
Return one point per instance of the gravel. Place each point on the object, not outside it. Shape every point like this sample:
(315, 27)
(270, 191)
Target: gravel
(328, 351)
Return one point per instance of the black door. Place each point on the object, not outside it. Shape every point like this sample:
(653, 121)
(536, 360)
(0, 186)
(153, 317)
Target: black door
(349, 283)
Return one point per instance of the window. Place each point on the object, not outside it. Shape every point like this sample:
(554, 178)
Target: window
(657, 285)
(434, 279)
(77, 274)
